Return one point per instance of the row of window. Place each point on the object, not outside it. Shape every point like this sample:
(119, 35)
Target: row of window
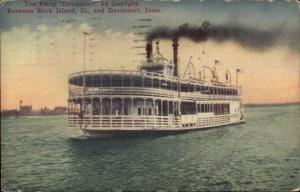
(216, 108)
(136, 81)
(219, 108)
(186, 108)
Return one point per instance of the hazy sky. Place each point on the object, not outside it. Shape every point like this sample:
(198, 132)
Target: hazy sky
(39, 51)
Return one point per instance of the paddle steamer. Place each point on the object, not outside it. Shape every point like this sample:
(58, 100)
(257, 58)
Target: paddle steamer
(155, 99)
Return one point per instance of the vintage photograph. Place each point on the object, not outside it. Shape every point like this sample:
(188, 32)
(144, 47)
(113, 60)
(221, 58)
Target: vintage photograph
(150, 95)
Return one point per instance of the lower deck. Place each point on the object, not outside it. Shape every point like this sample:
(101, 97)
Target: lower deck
(169, 123)
(92, 133)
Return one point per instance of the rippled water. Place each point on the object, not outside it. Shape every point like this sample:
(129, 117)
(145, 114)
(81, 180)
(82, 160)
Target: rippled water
(42, 154)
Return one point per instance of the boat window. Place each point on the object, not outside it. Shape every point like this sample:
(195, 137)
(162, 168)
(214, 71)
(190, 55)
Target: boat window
(126, 81)
(137, 81)
(163, 84)
(147, 82)
(126, 110)
(139, 111)
(105, 81)
(117, 81)
(188, 108)
(155, 83)
(211, 91)
(169, 85)
(175, 86)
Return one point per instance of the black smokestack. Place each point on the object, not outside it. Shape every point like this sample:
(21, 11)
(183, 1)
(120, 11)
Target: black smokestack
(248, 37)
(175, 55)
(149, 51)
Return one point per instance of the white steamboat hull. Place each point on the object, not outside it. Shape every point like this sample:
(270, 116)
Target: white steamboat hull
(117, 103)
(105, 133)
(115, 126)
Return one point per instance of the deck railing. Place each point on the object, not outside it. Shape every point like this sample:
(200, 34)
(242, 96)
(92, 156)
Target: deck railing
(124, 91)
(153, 92)
(198, 96)
(146, 122)
(122, 121)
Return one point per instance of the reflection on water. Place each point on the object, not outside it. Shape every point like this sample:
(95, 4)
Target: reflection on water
(263, 154)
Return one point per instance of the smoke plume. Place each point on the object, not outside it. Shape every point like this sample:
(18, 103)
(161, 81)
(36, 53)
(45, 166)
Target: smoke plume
(247, 37)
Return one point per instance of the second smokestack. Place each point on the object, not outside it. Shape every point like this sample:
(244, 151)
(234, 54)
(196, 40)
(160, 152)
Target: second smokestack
(175, 56)
(149, 51)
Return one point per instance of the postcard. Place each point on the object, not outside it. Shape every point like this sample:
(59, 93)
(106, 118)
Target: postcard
(150, 95)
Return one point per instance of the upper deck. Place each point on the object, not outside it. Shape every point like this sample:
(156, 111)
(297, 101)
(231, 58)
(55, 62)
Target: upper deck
(147, 84)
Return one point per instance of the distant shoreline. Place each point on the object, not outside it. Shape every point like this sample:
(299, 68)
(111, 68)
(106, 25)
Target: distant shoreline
(245, 105)
(269, 104)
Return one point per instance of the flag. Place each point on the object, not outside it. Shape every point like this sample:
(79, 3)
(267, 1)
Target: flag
(213, 74)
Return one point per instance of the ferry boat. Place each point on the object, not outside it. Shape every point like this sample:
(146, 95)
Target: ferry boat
(155, 99)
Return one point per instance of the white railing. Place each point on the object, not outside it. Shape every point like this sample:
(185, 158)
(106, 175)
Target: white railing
(149, 92)
(124, 91)
(146, 122)
(199, 96)
(96, 72)
(122, 121)
(150, 75)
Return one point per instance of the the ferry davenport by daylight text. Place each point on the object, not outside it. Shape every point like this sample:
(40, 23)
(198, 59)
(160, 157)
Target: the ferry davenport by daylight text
(155, 99)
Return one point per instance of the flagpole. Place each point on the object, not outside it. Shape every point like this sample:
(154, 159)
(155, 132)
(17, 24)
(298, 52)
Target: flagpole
(216, 75)
(228, 72)
(84, 77)
(237, 78)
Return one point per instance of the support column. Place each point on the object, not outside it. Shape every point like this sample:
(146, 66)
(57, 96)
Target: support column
(91, 114)
(101, 113)
(145, 114)
(111, 111)
(80, 105)
(69, 107)
(132, 113)
(168, 108)
(122, 113)
(162, 114)
(173, 112)
(123, 103)
(92, 106)
(154, 112)
(75, 108)
(168, 111)
(162, 107)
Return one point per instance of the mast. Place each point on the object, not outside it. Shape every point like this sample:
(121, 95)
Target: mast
(84, 77)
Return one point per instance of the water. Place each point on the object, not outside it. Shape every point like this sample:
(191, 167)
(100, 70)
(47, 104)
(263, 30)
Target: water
(42, 154)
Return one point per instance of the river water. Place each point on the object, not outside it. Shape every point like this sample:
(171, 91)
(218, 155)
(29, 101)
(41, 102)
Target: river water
(42, 154)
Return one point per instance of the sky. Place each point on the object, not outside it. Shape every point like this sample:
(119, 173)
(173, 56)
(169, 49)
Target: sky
(40, 50)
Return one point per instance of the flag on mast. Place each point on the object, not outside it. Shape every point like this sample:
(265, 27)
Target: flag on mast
(217, 61)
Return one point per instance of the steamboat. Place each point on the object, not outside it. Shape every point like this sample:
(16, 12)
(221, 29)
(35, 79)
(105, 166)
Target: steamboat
(155, 99)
